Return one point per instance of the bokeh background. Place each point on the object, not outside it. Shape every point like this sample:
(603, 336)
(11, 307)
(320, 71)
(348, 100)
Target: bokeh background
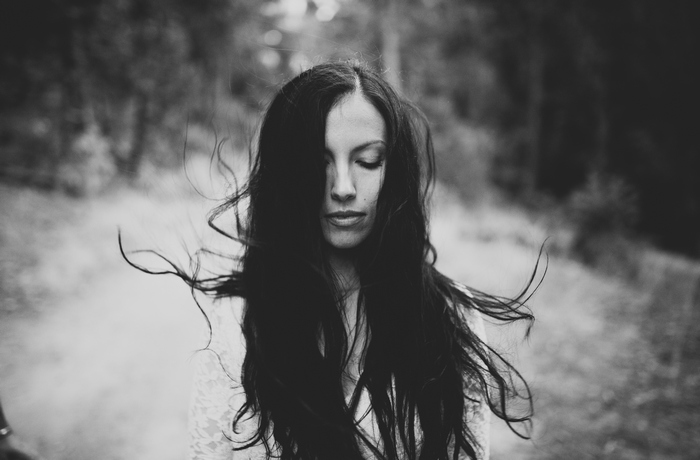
(562, 121)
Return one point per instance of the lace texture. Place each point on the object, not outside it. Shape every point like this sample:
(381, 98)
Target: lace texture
(217, 395)
(479, 414)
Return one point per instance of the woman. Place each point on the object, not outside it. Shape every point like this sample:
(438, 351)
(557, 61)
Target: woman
(335, 337)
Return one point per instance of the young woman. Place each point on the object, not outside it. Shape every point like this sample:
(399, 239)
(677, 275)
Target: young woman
(335, 337)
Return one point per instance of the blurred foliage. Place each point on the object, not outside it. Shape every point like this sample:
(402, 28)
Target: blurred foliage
(606, 204)
(564, 88)
(596, 86)
(115, 72)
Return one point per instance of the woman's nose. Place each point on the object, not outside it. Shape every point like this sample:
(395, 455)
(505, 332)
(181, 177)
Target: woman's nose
(343, 187)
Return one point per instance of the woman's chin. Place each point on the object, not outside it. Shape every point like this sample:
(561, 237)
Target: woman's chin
(344, 240)
(344, 245)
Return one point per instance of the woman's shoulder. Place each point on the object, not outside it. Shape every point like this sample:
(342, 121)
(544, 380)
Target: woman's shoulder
(467, 311)
(217, 393)
(224, 335)
(478, 413)
(223, 311)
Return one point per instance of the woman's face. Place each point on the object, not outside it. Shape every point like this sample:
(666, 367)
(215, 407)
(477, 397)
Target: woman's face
(355, 161)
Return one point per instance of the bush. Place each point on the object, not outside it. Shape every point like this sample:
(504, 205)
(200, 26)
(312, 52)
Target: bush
(604, 213)
(90, 166)
(462, 155)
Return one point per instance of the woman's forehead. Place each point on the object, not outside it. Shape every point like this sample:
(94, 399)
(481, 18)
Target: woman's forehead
(354, 120)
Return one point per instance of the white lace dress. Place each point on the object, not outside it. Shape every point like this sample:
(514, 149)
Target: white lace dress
(217, 394)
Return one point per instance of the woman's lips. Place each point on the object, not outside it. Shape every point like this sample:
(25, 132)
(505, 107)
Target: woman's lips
(344, 218)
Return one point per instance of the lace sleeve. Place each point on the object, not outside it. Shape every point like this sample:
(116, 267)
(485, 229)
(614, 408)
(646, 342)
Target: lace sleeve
(216, 389)
(478, 414)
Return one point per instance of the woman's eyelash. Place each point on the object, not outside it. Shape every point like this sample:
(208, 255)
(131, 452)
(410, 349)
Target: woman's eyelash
(371, 164)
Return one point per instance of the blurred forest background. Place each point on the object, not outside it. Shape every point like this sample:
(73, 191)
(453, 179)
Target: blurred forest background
(575, 120)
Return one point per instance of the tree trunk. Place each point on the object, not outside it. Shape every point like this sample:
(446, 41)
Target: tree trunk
(535, 103)
(140, 131)
(69, 119)
(391, 42)
(602, 130)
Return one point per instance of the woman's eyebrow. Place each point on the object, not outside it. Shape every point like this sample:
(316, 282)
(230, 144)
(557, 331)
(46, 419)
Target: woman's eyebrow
(359, 147)
(364, 145)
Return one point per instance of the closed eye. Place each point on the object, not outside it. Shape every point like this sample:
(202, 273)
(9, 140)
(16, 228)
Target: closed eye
(370, 164)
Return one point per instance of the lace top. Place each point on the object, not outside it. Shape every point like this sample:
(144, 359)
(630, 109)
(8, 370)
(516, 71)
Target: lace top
(217, 394)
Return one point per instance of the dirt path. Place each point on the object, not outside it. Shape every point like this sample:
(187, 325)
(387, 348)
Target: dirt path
(103, 371)
(100, 371)
(105, 374)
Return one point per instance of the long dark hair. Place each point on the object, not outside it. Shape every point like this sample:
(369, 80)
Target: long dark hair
(423, 365)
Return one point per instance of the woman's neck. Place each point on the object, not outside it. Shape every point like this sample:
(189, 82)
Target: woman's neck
(345, 268)
(343, 265)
